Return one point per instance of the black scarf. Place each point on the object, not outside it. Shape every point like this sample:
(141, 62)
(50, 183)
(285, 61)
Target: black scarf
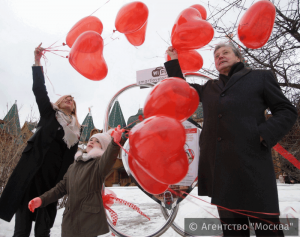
(234, 69)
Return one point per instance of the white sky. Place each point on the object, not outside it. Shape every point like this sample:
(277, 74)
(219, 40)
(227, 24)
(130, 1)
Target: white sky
(25, 24)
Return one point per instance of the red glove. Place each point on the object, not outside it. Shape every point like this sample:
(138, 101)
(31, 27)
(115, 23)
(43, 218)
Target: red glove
(34, 203)
(117, 133)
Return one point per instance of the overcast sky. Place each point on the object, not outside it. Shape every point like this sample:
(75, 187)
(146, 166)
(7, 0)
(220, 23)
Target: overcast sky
(25, 24)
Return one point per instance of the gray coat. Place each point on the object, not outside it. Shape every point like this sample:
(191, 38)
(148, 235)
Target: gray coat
(84, 213)
(235, 168)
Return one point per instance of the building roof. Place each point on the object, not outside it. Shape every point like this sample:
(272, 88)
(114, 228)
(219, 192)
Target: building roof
(116, 116)
(88, 126)
(12, 122)
(30, 125)
(134, 119)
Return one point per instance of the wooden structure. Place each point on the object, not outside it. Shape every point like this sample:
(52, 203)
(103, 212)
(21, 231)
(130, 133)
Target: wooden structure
(118, 176)
(28, 130)
(95, 130)
(197, 116)
(11, 143)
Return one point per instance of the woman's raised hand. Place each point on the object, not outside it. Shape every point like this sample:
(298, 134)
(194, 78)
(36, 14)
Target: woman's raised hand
(34, 203)
(38, 54)
(172, 53)
(117, 134)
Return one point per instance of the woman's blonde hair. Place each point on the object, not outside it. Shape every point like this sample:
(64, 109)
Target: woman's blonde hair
(74, 112)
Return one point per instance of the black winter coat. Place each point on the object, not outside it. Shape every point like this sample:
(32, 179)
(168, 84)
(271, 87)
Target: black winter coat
(235, 168)
(36, 160)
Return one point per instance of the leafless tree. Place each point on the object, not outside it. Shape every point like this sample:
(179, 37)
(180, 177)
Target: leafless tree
(280, 54)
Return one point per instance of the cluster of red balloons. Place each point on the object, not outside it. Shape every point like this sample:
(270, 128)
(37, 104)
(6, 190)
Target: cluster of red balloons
(132, 21)
(256, 25)
(86, 43)
(191, 31)
(157, 157)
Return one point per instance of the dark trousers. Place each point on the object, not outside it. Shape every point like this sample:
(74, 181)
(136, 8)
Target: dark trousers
(231, 221)
(24, 218)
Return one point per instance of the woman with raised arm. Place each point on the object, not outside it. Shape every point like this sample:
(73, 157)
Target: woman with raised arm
(44, 161)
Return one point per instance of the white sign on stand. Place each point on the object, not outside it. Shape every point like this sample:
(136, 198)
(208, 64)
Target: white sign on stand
(192, 150)
(151, 75)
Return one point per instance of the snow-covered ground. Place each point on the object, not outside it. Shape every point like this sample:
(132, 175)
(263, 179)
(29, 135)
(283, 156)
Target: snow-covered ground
(133, 224)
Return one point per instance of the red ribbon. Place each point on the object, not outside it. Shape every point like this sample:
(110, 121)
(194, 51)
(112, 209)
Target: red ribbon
(132, 206)
(110, 199)
(287, 155)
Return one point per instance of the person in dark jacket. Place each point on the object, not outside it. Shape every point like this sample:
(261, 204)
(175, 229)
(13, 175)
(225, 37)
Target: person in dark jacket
(84, 215)
(44, 161)
(236, 168)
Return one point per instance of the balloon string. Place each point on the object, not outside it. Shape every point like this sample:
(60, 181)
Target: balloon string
(100, 7)
(56, 50)
(123, 149)
(55, 46)
(78, 25)
(52, 50)
(163, 39)
(45, 73)
(139, 119)
(180, 195)
(53, 43)
(113, 39)
(58, 54)
(238, 211)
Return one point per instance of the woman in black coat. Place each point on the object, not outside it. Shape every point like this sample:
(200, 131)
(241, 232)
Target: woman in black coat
(236, 168)
(44, 161)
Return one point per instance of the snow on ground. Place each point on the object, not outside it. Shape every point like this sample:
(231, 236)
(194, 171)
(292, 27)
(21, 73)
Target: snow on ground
(133, 224)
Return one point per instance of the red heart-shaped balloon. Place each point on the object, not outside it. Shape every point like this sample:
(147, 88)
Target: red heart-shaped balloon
(85, 24)
(256, 25)
(86, 56)
(190, 31)
(171, 97)
(201, 9)
(137, 38)
(190, 61)
(156, 144)
(145, 180)
(131, 17)
(177, 164)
